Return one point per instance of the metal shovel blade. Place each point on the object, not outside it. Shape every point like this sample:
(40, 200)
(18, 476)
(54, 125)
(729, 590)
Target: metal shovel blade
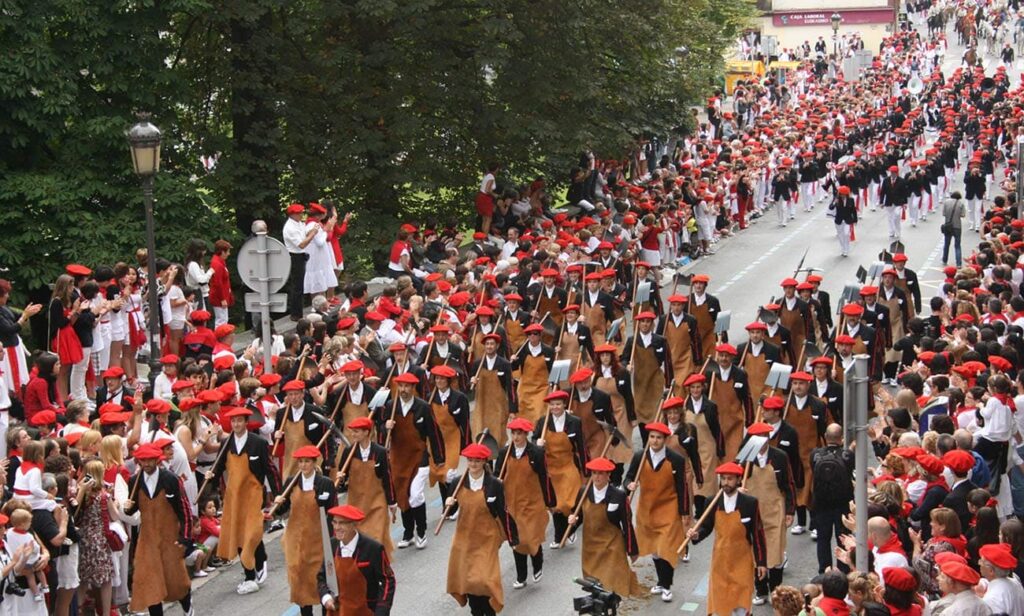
(750, 449)
(722, 323)
(379, 398)
(778, 376)
(559, 371)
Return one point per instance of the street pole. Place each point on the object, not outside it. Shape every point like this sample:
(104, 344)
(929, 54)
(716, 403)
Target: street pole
(860, 491)
(260, 229)
(154, 302)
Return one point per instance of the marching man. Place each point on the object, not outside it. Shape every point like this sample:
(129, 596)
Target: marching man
(739, 548)
(845, 216)
(369, 482)
(365, 581)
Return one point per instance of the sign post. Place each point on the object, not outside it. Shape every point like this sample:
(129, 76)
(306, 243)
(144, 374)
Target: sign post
(264, 265)
(856, 401)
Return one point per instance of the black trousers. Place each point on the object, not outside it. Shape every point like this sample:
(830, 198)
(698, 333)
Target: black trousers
(537, 560)
(414, 519)
(158, 609)
(261, 559)
(764, 586)
(666, 572)
(801, 515)
(480, 605)
(828, 522)
(296, 280)
(560, 522)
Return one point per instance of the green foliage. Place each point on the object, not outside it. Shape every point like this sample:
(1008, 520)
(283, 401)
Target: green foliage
(390, 108)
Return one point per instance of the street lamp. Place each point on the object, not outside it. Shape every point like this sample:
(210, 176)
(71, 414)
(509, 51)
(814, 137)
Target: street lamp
(144, 141)
(836, 19)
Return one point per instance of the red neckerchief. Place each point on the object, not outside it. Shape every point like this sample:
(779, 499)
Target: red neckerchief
(1006, 400)
(941, 481)
(959, 543)
(20, 531)
(913, 610)
(26, 466)
(892, 546)
(834, 607)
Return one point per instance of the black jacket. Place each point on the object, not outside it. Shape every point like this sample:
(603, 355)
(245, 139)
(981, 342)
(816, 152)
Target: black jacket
(457, 406)
(957, 501)
(678, 463)
(538, 464)
(494, 496)
(381, 467)
(373, 563)
(313, 426)
(710, 411)
(423, 419)
(573, 428)
(503, 370)
(914, 286)
(661, 353)
(893, 191)
(832, 397)
(604, 300)
(258, 450)
(323, 491)
(786, 440)
(168, 484)
(618, 512)
(750, 516)
(845, 210)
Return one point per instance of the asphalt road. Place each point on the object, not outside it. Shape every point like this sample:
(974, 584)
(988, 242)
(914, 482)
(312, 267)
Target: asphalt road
(744, 273)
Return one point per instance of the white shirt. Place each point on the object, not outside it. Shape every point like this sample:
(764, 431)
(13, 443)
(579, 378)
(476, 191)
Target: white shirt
(355, 394)
(697, 404)
(476, 484)
(886, 560)
(294, 233)
(755, 348)
(240, 441)
(724, 373)
(1005, 596)
(558, 422)
(729, 502)
(534, 350)
(406, 406)
(151, 481)
(999, 425)
(657, 457)
(297, 411)
(348, 549)
(584, 396)
(307, 482)
(600, 494)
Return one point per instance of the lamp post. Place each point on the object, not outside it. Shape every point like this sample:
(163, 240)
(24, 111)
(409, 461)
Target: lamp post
(144, 141)
(836, 19)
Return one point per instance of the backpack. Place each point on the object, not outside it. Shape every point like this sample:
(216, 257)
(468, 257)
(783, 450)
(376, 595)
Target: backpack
(831, 484)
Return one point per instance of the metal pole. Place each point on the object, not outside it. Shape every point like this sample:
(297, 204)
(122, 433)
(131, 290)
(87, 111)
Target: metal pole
(260, 228)
(860, 491)
(154, 302)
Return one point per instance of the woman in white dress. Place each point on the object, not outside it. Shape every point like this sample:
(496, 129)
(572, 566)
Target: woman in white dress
(320, 272)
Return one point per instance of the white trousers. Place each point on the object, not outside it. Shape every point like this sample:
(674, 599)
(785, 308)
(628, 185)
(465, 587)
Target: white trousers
(78, 375)
(807, 195)
(894, 212)
(220, 316)
(843, 234)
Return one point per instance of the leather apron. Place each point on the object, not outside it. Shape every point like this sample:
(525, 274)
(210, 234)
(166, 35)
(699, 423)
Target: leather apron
(242, 521)
(473, 564)
(731, 579)
(366, 492)
(406, 455)
(731, 416)
(771, 506)
(648, 383)
(757, 370)
(807, 435)
(679, 345)
(294, 438)
(708, 455)
(158, 555)
(623, 452)
(303, 551)
(705, 326)
(565, 477)
(525, 501)
(604, 552)
(659, 528)
(533, 387)
(452, 443)
(351, 599)
(491, 409)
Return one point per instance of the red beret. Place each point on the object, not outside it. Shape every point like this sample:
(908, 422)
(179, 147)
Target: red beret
(534, 328)
(43, 418)
(109, 418)
(931, 464)
(294, 385)
(657, 426)
(556, 395)
(821, 361)
(223, 330)
(445, 372)
(347, 512)
(237, 411)
(693, 379)
(899, 578)
(147, 452)
(673, 402)
(959, 572)
(113, 373)
(158, 406)
(306, 451)
(352, 366)
(1000, 555)
(170, 358)
(408, 378)
(520, 423)
(759, 429)
(476, 451)
(181, 385)
(646, 315)
(581, 375)
(725, 348)
(601, 465)
(801, 376)
(958, 461)
(270, 379)
(360, 423)
(729, 468)
(773, 403)
(756, 325)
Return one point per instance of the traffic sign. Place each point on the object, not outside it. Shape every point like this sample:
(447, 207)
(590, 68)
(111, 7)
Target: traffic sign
(278, 264)
(276, 302)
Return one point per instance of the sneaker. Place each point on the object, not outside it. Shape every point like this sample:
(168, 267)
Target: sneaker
(666, 596)
(404, 543)
(554, 545)
(797, 530)
(191, 611)
(657, 590)
(275, 525)
(517, 585)
(759, 600)
(209, 569)
(537, 575)
(814, 535)
(572, 538)
(421, 542)
(248, 587)
(261, 575)
(686, 557)
(454, 516)
(39, 597)
(201, 573)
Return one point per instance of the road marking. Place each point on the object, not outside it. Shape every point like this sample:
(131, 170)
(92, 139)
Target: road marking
(785, 240)
(689, 606)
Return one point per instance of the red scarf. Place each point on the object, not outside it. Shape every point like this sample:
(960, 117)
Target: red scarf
(834, 607)
(20, 531)
(913, 610)
(26, 466)
(959, 543)
(893, 545)
(1006, 400)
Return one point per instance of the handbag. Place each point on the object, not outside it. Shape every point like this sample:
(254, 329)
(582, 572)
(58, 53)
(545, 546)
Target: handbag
(114, 541)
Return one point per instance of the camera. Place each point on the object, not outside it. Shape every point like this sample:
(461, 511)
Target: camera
(599, 602)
